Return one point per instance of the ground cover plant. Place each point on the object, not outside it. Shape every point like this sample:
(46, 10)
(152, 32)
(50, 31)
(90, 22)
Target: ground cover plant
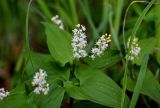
(79, 54)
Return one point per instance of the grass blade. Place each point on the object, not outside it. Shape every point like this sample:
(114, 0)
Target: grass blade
(139, 83)
(74, 11)
(26, 35)
(44, 8)
(115, 37)
(118, 15)
(141, 17)
(113, 32)
(27, 47)
(87, 13)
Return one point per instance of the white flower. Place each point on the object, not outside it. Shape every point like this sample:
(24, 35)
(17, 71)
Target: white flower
(39, 80)
(79, 42)
(128, 57)
(58, 21)
(101, 45)
(3, 93)
(44, 89)
(133, 49)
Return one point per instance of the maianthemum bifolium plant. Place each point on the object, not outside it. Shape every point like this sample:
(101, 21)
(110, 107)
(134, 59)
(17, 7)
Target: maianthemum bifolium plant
(73, 72)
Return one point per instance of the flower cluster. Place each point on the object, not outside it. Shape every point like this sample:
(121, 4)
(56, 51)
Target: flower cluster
(101, 45)
(79, 42)
(39, 80)
(3, 93)
(133, 49)
(58, 21)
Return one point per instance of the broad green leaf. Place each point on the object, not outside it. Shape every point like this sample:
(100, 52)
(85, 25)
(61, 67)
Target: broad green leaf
(98, 87)
(150, 87)
(109, 58)
(73, 91)
(45, 62)
(147, 46)
(53, 99)
(139, 82)
(59, 43)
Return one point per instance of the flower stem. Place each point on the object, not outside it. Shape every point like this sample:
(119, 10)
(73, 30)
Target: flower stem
(124, 85)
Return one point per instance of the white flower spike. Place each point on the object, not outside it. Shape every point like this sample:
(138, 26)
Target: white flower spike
(58, 21)
(3, 93)
(39, 80)
(101, 45)
(134, 49)
(79, 42)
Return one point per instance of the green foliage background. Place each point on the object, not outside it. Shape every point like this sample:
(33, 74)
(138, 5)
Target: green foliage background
(95, 83)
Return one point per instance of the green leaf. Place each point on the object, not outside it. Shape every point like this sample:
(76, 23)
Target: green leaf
(139, 83)
(147, 46)
(98, 87)
(53, 99)
(59, 43)
(74, 91)
(109, 58)
(150, 87)
(46, 62)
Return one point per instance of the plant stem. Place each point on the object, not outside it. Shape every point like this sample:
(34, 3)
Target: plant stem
(124, 85)
(72, 75)
(72, 71)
